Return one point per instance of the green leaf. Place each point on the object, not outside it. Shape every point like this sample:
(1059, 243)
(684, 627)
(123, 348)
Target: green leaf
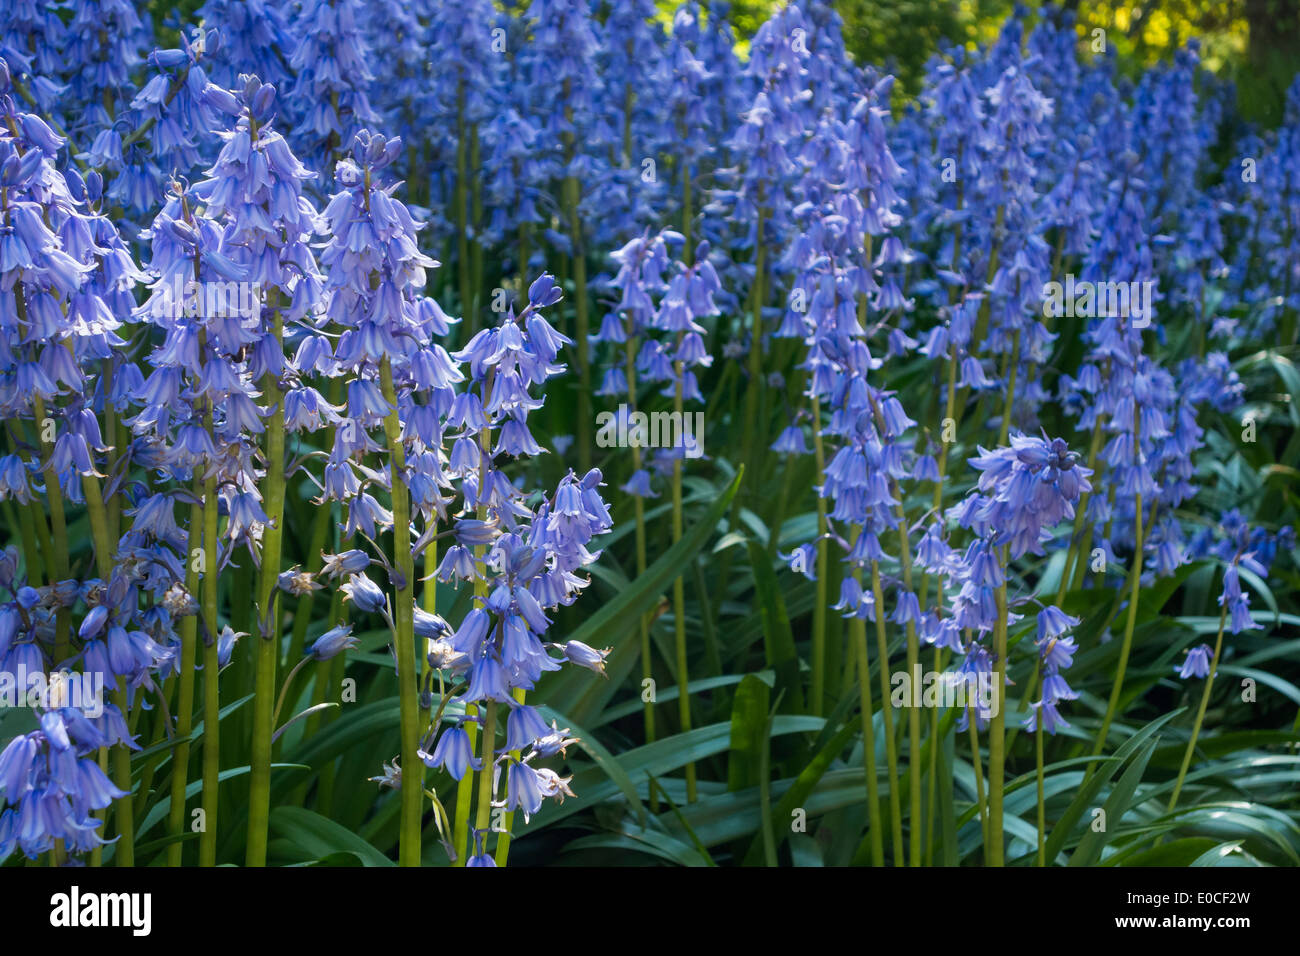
(802, 788)
(1285, 688)
(1226, 854)
(1242, 821)
(749, 711)
(319, 837)
(1088, 852)
(159, 809)
(1177, 853)
(666, 695)
(631, 838)
(778, 639)
(1093, 782)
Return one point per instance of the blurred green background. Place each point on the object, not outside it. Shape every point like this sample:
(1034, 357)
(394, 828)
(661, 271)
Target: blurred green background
(1253, 43)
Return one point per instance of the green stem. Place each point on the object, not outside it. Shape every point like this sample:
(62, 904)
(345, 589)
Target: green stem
(268, 625)
(1200, 712)
(874, 811)
(503, 839)
(211, 666)
(972, 726)
(1134, 592)
(1024, 702)
(412, 792)
(932, 777)
(997, 755)
(887, 712)
(483, 819)
(638, 506)
(59, 532)
(1042, 808)
(679, 592)
(465, 787)
(913, 713)
(284, 689)
(124, 812)
(937, 505)
(913, 658)
(185, 693)
(819, 606)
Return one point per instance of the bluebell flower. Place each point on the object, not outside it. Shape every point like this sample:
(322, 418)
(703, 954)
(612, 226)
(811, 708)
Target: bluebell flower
(524, 726)
(365, 594)
(332, 643)
(584, 656)
(453, 753)
(1196, 663)
(524, 789)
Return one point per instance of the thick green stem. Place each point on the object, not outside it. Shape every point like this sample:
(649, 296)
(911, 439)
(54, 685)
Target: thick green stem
(412, 792)
(977, 762)
(268, 624)
(123, 811)
(913, 713)
(858, 627)
(933, 776)
(1042, 807)
(59, 564)
(211, 665)
(818, 694)
(913, 663)
(465, 787)
(679, 591)
(887, 712)
(483, 819)
(503, 839)
(937, 505)
(638, 506)
(185, 692)
(997, 755)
